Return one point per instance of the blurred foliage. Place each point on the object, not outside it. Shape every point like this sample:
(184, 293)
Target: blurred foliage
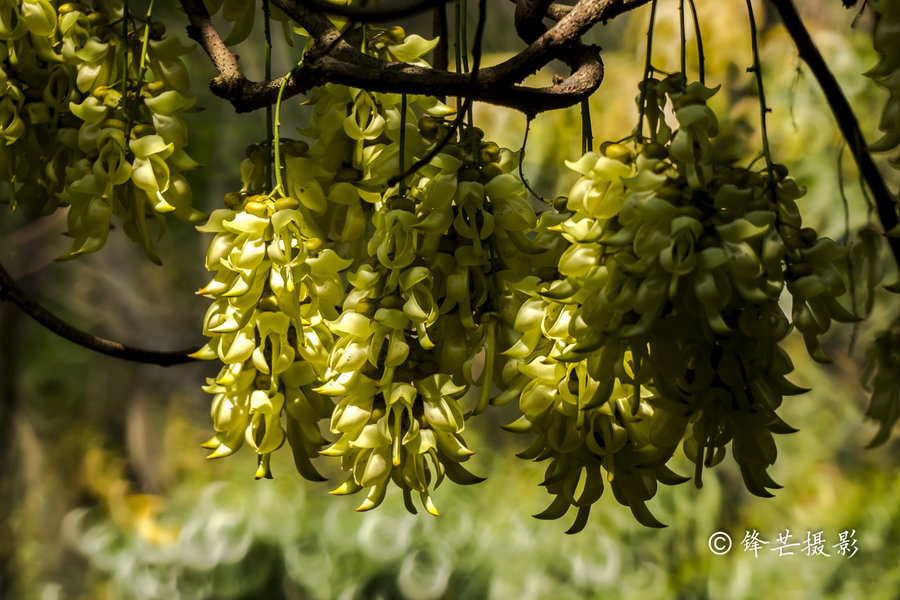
(106, 493)
(281, 539)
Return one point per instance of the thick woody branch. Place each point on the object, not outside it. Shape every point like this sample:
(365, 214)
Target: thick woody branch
(555, 10)
(554, 42)
(202, 31)
(10, 290)
(885, 203)
(402, 77)
(463, 110)
(332, 60)
(363, 14)
(529, 18)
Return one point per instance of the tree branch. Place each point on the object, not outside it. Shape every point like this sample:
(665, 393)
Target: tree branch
(202, 31)
(885, 203)
(364, 14)
(333, 60)
(555, 10)
(10, 290)
(463, 110)
(529, 18)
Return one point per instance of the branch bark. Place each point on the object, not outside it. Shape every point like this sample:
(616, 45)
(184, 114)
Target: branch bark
(365, 14)
(529, 18)
(202, 31)
(331, 59)
(555, 10)
(885, 203)
(10, 290)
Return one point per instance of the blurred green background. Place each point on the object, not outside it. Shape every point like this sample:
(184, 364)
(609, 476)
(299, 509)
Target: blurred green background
(105, 492)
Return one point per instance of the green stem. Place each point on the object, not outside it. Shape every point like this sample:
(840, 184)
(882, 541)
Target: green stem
(845, 241)
(278, 183)
(458, 47)
(587, 133)
(464, 34)
(403, 109)
(522, 161)
(700, 56)
(763, 109)
(683, 37)
(145, 42)
(125, 13)
(487, 375)
(648, 68)
(132, 113)
(462, 64)
(269, 132)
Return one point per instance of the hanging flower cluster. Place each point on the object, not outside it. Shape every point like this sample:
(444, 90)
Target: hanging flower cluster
(103, 119)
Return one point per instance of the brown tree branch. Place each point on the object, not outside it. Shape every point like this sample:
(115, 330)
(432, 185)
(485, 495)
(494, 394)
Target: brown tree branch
(529, 19)
(10, 290)
(555, 10)
(463, 110)
(365, 14)
(202, 31)
(331, 59)
(885, 203)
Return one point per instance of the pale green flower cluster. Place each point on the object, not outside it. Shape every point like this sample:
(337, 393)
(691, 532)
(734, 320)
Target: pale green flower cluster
(99, 128)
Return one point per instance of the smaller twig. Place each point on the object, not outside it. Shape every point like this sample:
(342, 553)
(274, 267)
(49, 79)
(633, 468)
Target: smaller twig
(10, 290)
(845, 241)
(859, 13)
(798, 74)
(522, 161)
(885, 202)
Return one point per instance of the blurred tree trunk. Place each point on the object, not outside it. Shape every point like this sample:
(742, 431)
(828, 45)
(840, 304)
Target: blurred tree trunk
(8, 473)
